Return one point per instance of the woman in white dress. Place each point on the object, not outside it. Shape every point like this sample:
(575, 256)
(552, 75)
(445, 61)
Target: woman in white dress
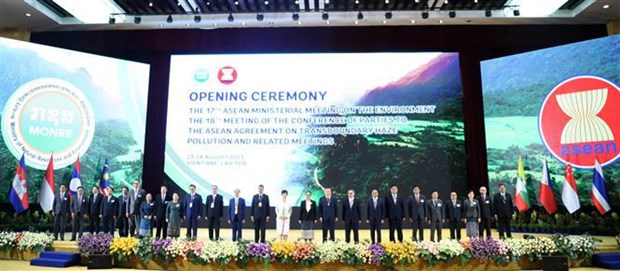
(283, 216)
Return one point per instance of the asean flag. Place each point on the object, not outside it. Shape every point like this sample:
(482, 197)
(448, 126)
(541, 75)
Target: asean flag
(18, 196)
(546, 196)
(598, 193)
(75, 178)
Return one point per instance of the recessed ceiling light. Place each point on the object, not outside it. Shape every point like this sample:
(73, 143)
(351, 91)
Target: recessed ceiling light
(357, 2)
(161, 25)
(236, 3)
(298, 22)
(28, 14)
(606, 6)
(413, 21)
(214, 24)
(384, 21)
(266, 2)
(327, 2)
(441, 21)
(356, 22)
(150, 4)
(242, 23)
(326, 22)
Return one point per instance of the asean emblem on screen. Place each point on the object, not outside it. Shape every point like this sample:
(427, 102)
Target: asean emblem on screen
(579, 121)
(48, 115)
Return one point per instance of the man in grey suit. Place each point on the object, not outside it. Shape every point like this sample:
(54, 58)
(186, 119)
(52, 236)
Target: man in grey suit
(435, 215)
(79, 208)
(60, 211)
(136, 197)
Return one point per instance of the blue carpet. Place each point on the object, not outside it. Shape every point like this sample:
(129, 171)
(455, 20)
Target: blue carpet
(56, 259)
(606, 260)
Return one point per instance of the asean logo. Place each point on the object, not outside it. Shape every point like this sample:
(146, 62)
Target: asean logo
(579, 121)
(227, 75)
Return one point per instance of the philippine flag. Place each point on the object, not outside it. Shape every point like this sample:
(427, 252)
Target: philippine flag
(75, 178)
(599, 194)
(105, 176)
(46, 196)
(19, 189)
(546, 196)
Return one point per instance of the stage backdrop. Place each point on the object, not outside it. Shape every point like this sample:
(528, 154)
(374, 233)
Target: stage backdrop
(561, 104)
(306, 121)
(70, 103)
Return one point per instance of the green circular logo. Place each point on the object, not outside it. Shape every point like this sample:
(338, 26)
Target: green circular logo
(201, 75)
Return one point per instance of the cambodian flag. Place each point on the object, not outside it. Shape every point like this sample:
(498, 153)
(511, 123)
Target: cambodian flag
(105, 176)
(75, 178)
(18, 196)
(599, 194)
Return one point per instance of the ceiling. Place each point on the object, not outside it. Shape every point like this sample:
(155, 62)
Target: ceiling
(47, 15)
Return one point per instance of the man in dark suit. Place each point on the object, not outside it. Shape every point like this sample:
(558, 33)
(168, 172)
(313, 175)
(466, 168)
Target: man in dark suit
(486, 212)
(453, 214)
(236, 214)
(503, 209)
(60, 210)
(328, 210)
(109, 210)
(136, 197)
(215, 211)
(395, 213)
(435, 215)
(417, 214)
(193, 209)
(94, 210)
(161, 203)
(79, 209)
(351, 216)
(260, 214)
(123, 219)
(375, 212)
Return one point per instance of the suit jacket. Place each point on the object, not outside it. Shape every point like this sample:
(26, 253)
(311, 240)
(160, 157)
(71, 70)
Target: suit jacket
(435, 212)
(260, 207)
(471, 210)
(79, 207)
(486, 207)
(453, 211)
(240, 209)
(394, 210)
(61, 204)
(135, 201)
(109, 208)
(94, 204)
(417, 208)
(503, 208)
(305, 215)
(218, 206)
(161, 206)
(328, 211)
(196, 203)
(122, 205)
(372, 212)
(351, 213)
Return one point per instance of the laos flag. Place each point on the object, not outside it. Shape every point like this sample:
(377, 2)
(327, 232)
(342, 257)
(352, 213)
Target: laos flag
(18, 196)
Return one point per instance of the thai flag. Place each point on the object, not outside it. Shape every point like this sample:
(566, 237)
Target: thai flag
(599, 194)
(105, 176)
(18, 196)
(75, 178)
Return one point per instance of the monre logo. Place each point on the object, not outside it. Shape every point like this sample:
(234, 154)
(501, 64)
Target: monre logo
(227, 75)
(579, 121)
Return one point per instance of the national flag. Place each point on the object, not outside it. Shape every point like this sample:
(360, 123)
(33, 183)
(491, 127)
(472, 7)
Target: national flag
(18, 196)
(570, 198)
(46, 196)
(522, 201)
(546, 196)
(75, 178)
(599, 194)
(105, 176)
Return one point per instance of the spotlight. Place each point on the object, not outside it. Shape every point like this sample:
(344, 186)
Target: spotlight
(388, 15)
(266, 3)
(150, 3)
(295, 17)
(112, 20)
(325, 16)
(452, 14)
(487, 13)
(516, 12)
(231, 18)
(169, 19)
(137, 20)
(360, 16)
(260, 17)
(425, 14)
(197, 18)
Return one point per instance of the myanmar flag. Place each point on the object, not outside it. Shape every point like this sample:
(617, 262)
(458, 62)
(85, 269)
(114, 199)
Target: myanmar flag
(522, 201)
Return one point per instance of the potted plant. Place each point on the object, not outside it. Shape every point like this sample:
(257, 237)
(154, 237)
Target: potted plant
(97, 248)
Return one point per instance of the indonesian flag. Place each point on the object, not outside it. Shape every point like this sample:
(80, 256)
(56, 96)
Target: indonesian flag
(570, 198)
(522, 201)
(546, 197)
(46, 198)
(599, 194)
(18, 196)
